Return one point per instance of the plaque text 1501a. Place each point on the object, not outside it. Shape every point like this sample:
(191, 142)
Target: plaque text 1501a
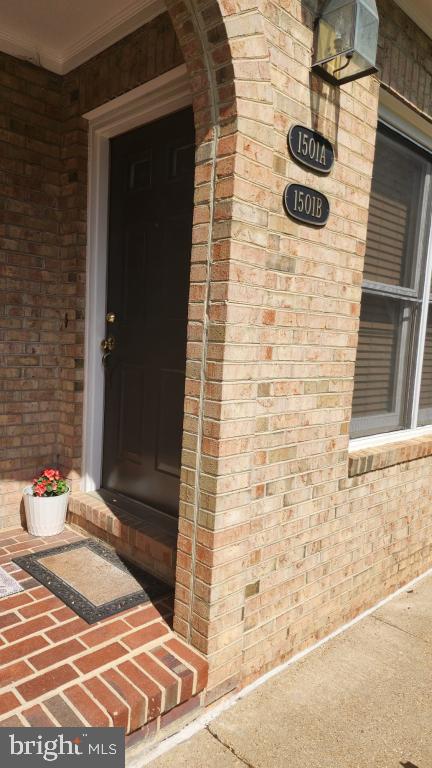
(306, 205)
(311, 149)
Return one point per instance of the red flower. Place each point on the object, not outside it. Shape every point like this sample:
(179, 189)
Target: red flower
(49, 483)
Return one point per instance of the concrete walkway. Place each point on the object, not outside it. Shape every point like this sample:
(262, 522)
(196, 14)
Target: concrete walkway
(363, 700)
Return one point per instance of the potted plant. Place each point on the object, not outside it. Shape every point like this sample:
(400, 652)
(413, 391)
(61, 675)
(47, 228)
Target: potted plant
(46, 503)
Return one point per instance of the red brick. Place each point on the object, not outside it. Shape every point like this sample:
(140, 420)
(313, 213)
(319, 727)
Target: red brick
(146, 685)
(38, 718)
(22, 546)
(41, 606)
(6, 619)
(40, 592)
(22, 648)
(104, 633)
(15, 601)
(65, 613)
(12, 722)
(54, 655)
(21, 576)
(28, 582)
(178, 668)
(28, 628)
(135, 700)
(145, 635)
(191, 658)
(14, 672)
(143, 616)
(168, 682)
(63, 712)
(99, 658)
(115, 707)
(70, 629)
(8, 701)
(30, 540)
(46, 682)
(92, 713)
(6, 543)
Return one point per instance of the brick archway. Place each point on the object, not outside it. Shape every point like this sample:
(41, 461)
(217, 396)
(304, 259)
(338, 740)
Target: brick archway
(226, 53)
(204, 41)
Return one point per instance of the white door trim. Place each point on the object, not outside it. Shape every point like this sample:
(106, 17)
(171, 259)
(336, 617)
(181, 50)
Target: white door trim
(161, 96)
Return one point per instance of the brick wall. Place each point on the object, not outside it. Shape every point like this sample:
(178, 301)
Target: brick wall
(43, 199)
(31, 301)
(405, 59)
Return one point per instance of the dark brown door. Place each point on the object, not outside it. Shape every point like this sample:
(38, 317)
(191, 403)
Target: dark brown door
(150, 233)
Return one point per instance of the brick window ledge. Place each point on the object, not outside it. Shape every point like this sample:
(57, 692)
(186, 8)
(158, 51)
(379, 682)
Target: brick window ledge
(376, 457)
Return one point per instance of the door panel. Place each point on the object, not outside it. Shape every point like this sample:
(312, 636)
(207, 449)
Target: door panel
(150, 237)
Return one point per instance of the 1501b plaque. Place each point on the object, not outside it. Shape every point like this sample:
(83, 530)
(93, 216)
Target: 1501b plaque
(306, 205)
(311, 149)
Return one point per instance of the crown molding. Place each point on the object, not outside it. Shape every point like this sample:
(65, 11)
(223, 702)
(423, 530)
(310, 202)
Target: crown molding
(130, 18)
(123, 23)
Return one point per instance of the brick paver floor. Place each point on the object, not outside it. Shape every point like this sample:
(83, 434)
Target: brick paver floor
(129, 670)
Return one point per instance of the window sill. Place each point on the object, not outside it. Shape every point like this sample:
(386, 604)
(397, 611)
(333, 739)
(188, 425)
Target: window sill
(372, 458)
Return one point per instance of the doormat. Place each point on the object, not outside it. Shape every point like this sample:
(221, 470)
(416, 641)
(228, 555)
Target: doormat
(92, 579)
(8, 585)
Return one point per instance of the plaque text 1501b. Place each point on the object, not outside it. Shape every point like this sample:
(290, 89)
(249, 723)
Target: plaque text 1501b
(306, 205)
(311, 149)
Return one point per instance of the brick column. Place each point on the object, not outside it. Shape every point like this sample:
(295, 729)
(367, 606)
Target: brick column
(264, 533)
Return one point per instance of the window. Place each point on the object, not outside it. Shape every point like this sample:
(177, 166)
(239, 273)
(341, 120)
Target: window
(393, 374)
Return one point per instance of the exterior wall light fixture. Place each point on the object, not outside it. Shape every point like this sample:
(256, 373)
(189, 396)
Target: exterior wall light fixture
(346, 41)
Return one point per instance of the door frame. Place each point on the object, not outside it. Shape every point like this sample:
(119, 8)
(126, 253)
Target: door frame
(165, 94)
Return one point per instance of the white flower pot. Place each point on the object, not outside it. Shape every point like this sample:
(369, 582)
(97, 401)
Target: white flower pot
(45, 516)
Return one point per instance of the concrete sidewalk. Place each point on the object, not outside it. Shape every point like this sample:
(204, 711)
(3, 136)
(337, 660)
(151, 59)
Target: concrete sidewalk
(363, 700)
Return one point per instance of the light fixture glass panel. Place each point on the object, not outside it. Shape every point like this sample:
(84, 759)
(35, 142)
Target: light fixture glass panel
(366, 40)
(336, 32)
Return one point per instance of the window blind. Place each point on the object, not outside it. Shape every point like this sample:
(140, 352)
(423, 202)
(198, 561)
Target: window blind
(393, 274)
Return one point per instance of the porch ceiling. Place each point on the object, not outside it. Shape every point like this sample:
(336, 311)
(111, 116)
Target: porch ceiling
(61, 34)
(420, 11)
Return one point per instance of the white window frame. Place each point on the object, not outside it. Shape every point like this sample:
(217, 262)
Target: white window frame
(401, 120)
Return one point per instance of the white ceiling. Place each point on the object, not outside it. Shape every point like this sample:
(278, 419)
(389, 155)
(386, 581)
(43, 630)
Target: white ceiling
(420, 11)
(61, 34)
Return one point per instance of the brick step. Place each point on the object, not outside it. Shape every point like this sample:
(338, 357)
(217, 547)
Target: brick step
(150, 541)
(129, 670)
(130, 694)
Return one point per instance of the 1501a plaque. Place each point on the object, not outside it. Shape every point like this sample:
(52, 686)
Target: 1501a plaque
(306, 205)
(311, 149)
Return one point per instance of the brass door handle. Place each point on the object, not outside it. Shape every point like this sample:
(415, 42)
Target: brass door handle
(107, 346)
